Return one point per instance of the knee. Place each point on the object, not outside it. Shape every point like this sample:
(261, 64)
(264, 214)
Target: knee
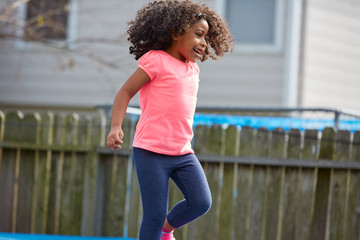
(203, 205)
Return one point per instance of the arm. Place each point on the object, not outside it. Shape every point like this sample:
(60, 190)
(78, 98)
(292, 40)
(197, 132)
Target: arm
(136, 81)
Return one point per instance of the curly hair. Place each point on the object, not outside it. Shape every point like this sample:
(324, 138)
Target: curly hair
(155, 23)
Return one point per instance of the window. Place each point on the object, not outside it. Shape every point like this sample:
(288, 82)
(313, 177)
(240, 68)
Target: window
(52, 21)
(256, 24)
(47, 20)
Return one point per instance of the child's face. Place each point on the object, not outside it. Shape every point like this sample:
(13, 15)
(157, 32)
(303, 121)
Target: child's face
(191, 45)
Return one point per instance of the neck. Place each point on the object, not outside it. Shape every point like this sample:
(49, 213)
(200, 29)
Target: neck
(171, 51)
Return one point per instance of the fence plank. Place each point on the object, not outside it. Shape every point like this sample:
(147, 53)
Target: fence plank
(2, 130)
(306, 186)
(202, 133)
(245, 176)
(275, 185)
(294, 146)
(319, 221)
(352, 218)
(30, 134)
(228, 191)
(10, 173)
(339, 188)
(291, 187)
(196, 230)
(342, 146)
(247, 142)
(115, 174)
(43, 175)
(114, 199)
(92, 133)
(305, 203)
(262, 143)
(242, 204)
(78, 181)
(127, 128)
(259, 185)
(135, 207)
(210, 142)
(355, 153)
(115, 193)
(71, 184)
(58, 133)
(175, 196)
(232, 141)
(311, 145)
(258, 199)
(278, 143)
(209, 223)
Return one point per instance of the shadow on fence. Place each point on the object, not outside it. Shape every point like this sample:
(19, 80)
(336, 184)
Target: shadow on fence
(57, 177)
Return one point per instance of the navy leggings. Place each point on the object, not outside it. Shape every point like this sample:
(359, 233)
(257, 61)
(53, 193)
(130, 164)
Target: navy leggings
(153, 171)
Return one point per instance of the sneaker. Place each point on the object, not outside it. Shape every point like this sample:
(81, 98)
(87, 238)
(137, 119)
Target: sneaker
(167, 236)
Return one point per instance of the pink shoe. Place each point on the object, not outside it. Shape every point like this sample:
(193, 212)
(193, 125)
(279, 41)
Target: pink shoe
(167, 236)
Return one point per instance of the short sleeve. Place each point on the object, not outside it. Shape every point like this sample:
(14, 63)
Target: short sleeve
(150, 62)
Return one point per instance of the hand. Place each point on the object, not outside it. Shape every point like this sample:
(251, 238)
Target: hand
(114, 139)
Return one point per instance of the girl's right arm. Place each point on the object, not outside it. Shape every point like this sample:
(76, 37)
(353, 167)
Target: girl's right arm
(136, 81)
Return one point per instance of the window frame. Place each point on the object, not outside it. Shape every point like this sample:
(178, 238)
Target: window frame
(71, 35)
(277, 46)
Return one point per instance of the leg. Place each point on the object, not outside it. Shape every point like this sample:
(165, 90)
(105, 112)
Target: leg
(167, 226)
(153, 179)
(191, 180)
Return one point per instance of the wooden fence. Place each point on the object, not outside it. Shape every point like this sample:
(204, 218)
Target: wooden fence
(58, 177)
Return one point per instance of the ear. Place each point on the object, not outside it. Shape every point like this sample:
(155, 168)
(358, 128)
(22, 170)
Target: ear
(174, 35)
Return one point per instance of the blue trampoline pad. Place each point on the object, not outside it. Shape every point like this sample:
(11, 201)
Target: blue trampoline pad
(23, 236)
(275, 122)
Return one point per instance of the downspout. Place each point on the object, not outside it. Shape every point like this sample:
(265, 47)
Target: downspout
(292, 54)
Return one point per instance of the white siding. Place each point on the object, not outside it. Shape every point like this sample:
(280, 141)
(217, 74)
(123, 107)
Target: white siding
(242, 80)
(331, 76)
(31, 75)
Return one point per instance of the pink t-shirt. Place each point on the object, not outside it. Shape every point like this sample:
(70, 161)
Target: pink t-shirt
(167, 103)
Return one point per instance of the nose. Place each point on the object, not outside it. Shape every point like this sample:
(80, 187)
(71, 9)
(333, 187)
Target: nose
(203, 42)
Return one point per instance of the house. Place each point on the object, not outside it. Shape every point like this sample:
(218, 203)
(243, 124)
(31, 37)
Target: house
(289, 53)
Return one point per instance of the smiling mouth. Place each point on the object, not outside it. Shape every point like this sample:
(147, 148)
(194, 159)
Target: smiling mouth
(198, 51)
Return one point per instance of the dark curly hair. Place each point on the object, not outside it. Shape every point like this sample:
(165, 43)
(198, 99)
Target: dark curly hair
(154, 24)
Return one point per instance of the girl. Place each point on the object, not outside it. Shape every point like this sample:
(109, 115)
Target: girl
(168, 37)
